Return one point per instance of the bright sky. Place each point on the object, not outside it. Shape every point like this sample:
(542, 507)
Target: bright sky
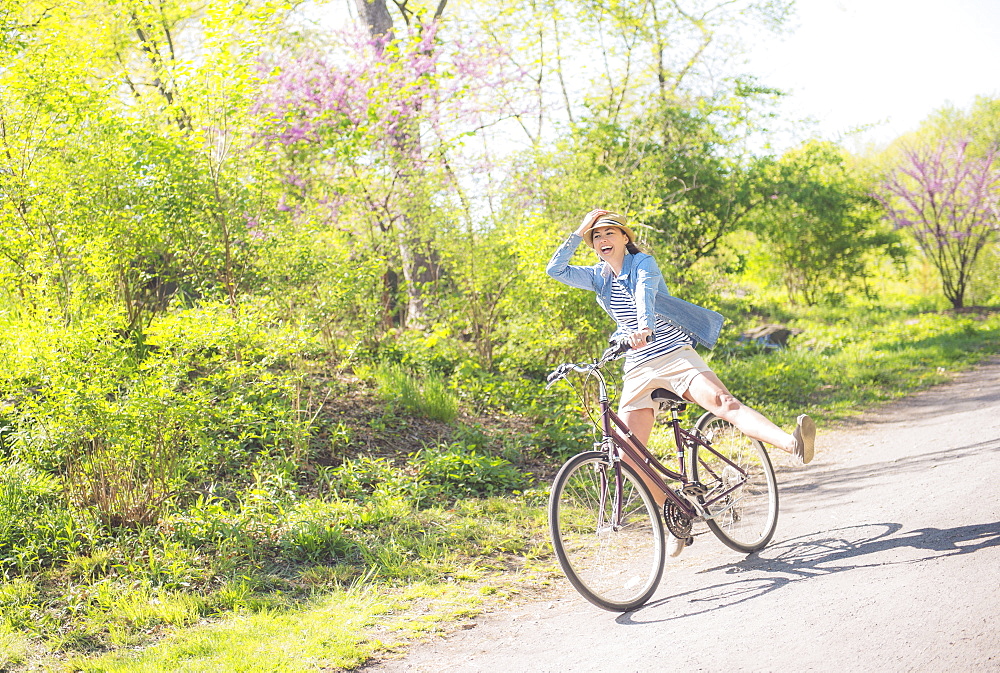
(850, 63)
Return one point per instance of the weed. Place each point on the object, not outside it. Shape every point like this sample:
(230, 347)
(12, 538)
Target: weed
(89, 566)
(19, 598)
(14, 647)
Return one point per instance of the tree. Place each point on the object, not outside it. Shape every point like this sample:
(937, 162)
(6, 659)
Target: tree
(127, 169)
(365, 130)
(949, 200)
(673, 170)
(819, 222)
(612, 62)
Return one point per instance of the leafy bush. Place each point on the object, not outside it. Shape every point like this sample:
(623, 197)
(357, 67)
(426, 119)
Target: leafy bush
(205, 393)
(433, 474)
(458, 471)
(424, 353)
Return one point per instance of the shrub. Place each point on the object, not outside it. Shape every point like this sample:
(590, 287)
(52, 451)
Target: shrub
(459, 470)
(203, 396)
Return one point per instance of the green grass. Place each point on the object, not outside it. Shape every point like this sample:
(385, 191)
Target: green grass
(841, 365)
(327, 567)
(338, 630)
(331, 632)
(14, 647)
(427, 396)
(400, 572)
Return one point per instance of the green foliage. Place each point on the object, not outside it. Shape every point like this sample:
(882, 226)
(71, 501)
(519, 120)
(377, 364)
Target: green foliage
(821, 227)
(315, 533)
(431, 475)
(38, 527)
(14, 647)
(123, 193)
(186, 311)
(317, 280)
(845, 360)
(18, 598)
(132, 427)
(979, 124)
(674, 169)
(542, 320)
(461, 470)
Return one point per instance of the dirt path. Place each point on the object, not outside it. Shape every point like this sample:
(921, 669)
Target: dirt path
(886, 557)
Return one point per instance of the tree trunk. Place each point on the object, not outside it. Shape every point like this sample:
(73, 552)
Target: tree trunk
(417, 267)
(375, 14)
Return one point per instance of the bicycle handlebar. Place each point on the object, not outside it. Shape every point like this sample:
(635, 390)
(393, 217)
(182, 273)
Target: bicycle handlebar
(619, 346)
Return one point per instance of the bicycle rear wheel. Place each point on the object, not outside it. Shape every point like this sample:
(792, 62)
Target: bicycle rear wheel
(614, 566)
(742, 494)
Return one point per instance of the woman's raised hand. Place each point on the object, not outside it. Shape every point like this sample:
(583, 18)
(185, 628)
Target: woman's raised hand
(589, 219)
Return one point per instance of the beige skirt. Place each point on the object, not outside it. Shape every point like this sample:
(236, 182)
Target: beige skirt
(674, 371)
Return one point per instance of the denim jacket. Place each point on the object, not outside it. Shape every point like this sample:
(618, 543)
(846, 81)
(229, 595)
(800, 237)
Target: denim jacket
(643, 278)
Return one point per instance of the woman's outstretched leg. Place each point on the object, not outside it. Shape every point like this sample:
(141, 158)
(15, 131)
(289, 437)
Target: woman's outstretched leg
(708, 391)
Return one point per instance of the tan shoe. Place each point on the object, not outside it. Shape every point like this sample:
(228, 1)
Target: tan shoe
(675, 545)
(805, 439)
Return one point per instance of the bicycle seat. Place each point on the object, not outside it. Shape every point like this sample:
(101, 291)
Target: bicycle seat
(668, 400)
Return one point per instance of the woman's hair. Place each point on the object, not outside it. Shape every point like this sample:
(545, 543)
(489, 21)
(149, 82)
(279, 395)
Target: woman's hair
(632, 248)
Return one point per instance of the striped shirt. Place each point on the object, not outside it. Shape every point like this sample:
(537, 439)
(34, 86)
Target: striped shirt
(668, 337)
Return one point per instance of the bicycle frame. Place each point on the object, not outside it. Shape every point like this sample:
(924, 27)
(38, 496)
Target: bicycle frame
(616, 434)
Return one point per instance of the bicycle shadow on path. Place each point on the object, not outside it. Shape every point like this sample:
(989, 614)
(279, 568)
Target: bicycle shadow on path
(815, 555)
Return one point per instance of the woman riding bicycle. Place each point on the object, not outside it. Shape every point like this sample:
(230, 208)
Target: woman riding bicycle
(630, 287)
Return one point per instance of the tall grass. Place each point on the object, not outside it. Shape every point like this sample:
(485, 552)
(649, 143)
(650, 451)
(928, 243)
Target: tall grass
(428, 396)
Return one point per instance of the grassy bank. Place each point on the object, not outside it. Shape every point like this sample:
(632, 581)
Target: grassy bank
(365, 518)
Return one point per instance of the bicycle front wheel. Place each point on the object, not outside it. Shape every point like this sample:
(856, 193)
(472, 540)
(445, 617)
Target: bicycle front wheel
(612, 555)
(742, 493)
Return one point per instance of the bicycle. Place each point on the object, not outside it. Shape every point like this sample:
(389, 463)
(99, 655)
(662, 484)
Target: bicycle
(606, 528)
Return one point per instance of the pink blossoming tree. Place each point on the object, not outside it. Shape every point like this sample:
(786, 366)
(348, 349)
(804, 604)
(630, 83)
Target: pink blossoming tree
(948, 199)
(369, 133)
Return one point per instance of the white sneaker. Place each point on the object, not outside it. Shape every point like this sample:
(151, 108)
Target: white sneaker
(675, 545)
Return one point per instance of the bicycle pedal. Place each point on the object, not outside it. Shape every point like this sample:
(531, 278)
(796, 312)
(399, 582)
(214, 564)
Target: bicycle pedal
(689, 541)
(694, 489)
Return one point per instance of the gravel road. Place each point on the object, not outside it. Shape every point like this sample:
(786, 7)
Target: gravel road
(886, 557)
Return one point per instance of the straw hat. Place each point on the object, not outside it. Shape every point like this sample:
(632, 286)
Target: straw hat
(608, 220)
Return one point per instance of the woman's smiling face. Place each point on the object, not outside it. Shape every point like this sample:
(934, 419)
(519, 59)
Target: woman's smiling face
(609, 244)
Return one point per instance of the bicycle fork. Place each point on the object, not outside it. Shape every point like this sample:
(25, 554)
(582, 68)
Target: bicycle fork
(616, 513)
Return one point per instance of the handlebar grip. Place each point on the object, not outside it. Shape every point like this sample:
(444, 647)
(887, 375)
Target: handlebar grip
(621, 344)
(556, 374)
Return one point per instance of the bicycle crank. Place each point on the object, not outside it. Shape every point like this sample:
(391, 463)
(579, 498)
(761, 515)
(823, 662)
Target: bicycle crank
(677, 520)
